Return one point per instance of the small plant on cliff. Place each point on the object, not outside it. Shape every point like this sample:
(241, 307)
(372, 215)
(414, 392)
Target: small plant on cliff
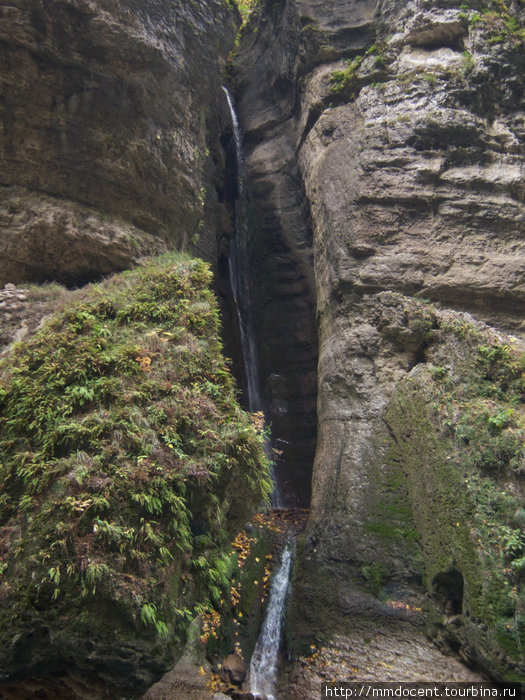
(344, 82)
(468, 63)
(375, 575)
(246, 7)
(499, 25)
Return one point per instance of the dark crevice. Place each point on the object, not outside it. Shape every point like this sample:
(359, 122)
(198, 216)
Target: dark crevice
(283, 310)
(448, 591)
(420, 355)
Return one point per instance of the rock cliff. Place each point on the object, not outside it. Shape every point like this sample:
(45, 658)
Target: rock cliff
(108, 132)
(391, 135)
(384, 154)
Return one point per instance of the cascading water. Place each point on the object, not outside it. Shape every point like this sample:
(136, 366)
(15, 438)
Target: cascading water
(240, 284)
(263, 666)
(238, 263)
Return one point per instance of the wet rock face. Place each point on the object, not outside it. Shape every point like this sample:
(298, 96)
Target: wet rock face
(105, 106)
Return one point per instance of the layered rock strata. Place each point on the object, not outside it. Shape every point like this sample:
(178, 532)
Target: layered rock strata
(108, 133)
(401, 128)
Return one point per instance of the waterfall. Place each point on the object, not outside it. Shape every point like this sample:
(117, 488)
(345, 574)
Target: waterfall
(238, 269)
(238, 266)
(263, 666)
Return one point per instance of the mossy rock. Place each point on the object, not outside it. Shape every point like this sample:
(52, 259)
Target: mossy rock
(127, 466)
(458, 428)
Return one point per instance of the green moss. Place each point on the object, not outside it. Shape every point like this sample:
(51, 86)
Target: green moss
(376, 575)
(458, 433)
(127, 464)
(239, 614)
(344, 82)
(386, 530)
(429, 471)
(390, 517)
(499, 24)
(246, 7)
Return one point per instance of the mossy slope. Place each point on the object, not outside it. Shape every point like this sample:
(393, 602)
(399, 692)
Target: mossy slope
(126, 467)
(458, 428)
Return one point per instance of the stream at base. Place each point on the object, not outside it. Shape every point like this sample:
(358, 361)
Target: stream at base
(265, 658)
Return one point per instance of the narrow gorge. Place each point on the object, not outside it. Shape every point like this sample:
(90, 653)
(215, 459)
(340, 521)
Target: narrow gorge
(351, 172)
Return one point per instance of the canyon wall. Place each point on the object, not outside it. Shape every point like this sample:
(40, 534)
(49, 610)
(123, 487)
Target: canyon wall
(108, 133)
(109, 152)
(396, 130)
(384, 154)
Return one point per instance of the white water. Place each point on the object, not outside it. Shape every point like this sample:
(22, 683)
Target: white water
(263, 666)
(241, 289)
(238, 269)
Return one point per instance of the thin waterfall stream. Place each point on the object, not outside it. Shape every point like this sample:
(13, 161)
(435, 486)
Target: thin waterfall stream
(238, 267)
(238, 264)
(265, 658)
(264, 661)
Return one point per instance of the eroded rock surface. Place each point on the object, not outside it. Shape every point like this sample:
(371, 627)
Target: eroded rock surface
(48, 239)
(385, 652)
(108, 123)
(397, 131)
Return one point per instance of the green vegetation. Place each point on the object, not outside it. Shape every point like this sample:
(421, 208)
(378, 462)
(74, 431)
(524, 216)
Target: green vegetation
(375, 575)
(391, 516)
(430, 78)
(459, 432)
(246, 7)
(468, 63)
(344, 82)
(126, 463)
(235, 620)
(499, 24)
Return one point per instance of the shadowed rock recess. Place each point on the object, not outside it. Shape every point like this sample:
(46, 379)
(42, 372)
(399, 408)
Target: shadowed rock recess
(384, 151)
